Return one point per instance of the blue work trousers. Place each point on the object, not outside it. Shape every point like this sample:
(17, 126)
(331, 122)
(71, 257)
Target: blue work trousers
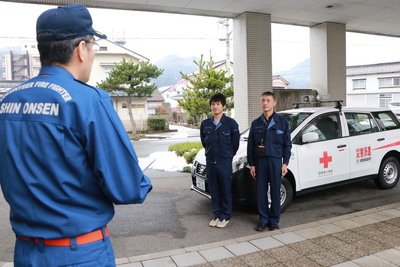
(219, 179)
(268, 171)
(96, 254)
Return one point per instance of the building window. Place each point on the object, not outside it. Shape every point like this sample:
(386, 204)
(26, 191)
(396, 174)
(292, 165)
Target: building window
(389, 82)
(384, 100)
(136, 108)
(358, 84)
(103, 48)
(108, 69)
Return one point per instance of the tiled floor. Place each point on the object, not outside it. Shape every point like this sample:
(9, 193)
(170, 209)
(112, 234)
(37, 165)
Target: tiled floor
(366, 238)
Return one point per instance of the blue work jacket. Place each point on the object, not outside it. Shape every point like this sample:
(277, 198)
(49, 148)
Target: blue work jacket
(275, 137)
(65, 157)
(220, 142)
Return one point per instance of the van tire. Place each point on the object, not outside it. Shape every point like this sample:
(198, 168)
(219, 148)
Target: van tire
(389, 173)
(286, 194)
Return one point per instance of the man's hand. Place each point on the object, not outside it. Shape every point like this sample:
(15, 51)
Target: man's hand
(253, 172)
(284, 170)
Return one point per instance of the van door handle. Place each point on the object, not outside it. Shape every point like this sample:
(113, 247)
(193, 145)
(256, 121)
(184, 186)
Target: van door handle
(380, 139)
(341, 146)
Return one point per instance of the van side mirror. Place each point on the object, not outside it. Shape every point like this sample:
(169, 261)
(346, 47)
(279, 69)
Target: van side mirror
(310, 137)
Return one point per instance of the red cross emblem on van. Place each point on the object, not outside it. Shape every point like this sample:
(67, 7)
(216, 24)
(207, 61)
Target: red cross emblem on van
(325, 159)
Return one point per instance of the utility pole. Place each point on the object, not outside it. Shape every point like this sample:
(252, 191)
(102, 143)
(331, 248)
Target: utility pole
(225, 22)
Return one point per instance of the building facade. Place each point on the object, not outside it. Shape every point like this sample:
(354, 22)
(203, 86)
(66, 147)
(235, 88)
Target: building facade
(109, 55)
(24, 65)
(374, 85)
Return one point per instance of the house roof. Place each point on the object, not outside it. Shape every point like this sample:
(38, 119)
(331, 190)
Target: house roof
(216, 65)
(280, 78)
(139, 56)
(163, 89)
(389, 67)
(173, 87)
(156, 97)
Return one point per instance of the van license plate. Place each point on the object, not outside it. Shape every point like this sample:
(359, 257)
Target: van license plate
(200, 183)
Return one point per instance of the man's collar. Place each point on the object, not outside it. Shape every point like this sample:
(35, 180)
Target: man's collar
(55, 70)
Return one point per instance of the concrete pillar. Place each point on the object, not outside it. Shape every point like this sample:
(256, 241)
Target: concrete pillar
(253, 64)
(328, 60)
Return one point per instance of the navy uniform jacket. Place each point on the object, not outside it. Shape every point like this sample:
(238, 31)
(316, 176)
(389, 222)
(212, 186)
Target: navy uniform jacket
(65, 157)
(276, 139)
(222, 142)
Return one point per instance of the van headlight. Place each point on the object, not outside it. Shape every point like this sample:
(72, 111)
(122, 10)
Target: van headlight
(239, 163)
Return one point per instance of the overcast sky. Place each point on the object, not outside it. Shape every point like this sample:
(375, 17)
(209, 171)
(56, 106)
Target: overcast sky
(155, 35)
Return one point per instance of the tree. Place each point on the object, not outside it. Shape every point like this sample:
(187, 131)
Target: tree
(203, 84)
(133, 79)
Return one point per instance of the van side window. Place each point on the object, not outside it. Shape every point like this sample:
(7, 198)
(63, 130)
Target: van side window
(386, 120)
(326, 126)
(360, 123)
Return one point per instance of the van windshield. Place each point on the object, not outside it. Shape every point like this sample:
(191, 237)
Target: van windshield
(295, 119)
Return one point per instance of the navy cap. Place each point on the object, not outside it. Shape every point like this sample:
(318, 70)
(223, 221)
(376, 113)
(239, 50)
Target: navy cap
(65, 22)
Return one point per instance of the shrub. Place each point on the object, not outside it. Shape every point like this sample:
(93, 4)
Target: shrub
(190, 120)
(186, 150)
(156, 123)
(187, 169)
(190, 155)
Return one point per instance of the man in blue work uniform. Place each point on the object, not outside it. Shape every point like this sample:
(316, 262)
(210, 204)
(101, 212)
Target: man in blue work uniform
(65, 157)
(220, 137)
(268, 154)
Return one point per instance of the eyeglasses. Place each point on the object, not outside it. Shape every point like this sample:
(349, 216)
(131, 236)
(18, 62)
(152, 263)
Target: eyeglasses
(96, 46)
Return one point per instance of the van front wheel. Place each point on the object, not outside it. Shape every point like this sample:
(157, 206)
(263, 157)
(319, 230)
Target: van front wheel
(286, 193)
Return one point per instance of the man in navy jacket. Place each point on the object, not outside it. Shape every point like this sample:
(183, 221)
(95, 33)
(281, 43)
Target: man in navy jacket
(268, 154)
(220, 137)
(65, 157)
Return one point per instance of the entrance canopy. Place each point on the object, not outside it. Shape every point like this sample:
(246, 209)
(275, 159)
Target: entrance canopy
(380, 17)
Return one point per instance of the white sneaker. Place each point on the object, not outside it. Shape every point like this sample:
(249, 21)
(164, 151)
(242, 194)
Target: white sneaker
(214, 222)
(222, 223)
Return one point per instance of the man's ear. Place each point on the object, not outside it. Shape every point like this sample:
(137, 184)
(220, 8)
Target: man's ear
(81, 51)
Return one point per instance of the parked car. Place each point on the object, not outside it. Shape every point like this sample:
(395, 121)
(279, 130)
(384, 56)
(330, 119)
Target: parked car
(395, 107)
(331, 146)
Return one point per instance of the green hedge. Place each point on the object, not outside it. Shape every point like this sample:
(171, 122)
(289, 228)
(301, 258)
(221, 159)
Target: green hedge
(187, 150)
(157, 123)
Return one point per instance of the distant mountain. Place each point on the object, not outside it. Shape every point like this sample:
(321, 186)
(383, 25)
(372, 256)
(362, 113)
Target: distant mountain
(173, 65)
(298, 76)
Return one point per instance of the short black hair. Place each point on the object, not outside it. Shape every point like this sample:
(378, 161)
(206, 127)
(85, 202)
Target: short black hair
(268, 93)
(218, 97)
(59, 51)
